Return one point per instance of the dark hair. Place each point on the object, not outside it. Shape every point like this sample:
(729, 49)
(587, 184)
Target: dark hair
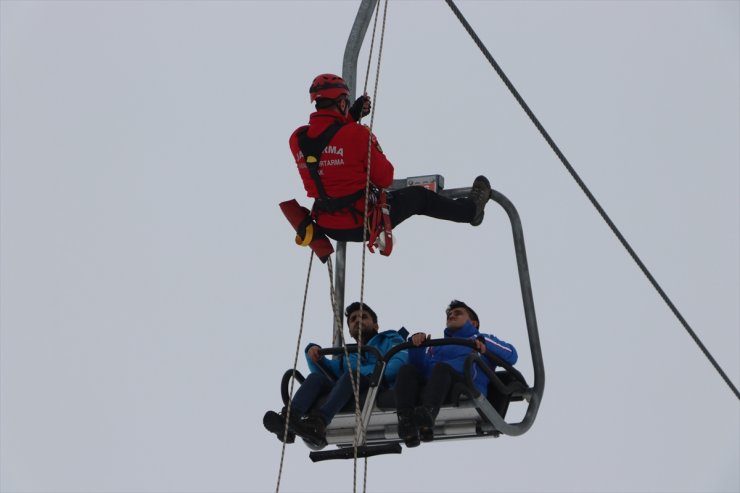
(459, 304)
(323, 103)
(356, 306)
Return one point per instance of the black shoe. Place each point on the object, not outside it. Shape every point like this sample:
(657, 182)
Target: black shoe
(479, 194)
(275, 423)
(311, 428)
(407, 429)
(425, 416)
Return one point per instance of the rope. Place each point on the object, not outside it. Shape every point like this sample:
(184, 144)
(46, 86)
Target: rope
(355, 382)
(292, 380)
(370, 54)
(360, 431)
(590, 196)
(359, 426)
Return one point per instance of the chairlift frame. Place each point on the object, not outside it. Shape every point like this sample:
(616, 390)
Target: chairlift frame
(472, 417)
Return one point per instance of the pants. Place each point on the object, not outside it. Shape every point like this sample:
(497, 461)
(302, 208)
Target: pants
(410, 201)
(409, 382)
(317, 385)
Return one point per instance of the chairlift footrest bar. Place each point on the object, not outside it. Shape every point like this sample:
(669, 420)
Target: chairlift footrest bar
(362, 451)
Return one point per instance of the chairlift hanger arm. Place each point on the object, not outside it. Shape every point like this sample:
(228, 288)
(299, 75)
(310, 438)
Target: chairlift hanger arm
(522, 267)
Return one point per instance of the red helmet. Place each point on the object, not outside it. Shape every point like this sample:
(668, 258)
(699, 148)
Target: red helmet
(328, 86)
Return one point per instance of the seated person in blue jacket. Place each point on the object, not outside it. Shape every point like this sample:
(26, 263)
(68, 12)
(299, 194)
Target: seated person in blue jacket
(312, 425)
(425, 382)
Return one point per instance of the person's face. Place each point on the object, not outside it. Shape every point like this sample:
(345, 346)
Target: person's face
(456, 318)
(364, 325)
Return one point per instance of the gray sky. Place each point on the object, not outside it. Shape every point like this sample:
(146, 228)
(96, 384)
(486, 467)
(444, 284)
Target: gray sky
(151, 290)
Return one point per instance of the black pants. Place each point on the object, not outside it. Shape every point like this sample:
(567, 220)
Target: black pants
(410, 201)
(435, 391)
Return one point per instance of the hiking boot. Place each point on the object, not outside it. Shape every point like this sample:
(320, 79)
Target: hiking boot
(425, 416)
(275, 423)
(407, 429)
(311, 428)
(479, 194)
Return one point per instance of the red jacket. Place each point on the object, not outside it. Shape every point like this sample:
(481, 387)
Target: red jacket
(343, 166)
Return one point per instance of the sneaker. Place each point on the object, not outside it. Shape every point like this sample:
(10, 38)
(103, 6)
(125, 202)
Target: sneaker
(479, 194)
(425, 416)
(407, 429)
(275, 423)
(311, 428)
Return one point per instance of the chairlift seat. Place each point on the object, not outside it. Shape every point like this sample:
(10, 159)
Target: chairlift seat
(467, 414)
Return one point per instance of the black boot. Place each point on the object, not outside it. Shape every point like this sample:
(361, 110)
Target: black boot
(425, 416)
(275, 423)
(480, 193)
(311, 428)
(407, 429)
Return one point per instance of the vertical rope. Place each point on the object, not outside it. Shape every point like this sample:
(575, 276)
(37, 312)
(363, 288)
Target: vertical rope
(370, 54)
(359, 437)
(355, 382)
(359, 428)
(292, 380)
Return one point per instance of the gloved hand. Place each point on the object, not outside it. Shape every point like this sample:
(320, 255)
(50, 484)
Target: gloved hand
(361, 107)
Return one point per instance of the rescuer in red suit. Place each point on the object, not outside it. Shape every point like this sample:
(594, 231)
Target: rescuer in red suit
(342, 145)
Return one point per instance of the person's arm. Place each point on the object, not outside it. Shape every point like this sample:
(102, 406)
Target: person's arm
(397, 361)
(367, 367)
(313, 358)
(417, 355)
(361, 107)
(381, 169)
(502, 349)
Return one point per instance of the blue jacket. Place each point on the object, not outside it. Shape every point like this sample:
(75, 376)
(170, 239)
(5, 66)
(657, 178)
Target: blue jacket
(383, 341)
(454, 355)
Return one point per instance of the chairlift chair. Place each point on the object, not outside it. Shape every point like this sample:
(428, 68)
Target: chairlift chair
(470, 415)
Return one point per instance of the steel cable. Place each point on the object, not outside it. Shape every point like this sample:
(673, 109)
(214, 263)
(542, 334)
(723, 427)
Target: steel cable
(590, 196)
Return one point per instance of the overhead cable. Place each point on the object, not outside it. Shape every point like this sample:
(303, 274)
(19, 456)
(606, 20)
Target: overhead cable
(590, 196)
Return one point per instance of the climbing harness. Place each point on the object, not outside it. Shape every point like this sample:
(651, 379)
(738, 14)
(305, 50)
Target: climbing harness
(312, 148)
(376, 217)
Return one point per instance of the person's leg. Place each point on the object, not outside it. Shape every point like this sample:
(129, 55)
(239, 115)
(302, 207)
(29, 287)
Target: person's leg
(340, 395)
(315, 385)
(438, 387)
(436, 390)
(313, 426)
(415, 200)
(410, 201)
(408, 383)
(275, 423)
(353, 235)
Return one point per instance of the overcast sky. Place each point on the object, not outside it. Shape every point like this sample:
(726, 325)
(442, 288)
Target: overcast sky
(150, 289)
